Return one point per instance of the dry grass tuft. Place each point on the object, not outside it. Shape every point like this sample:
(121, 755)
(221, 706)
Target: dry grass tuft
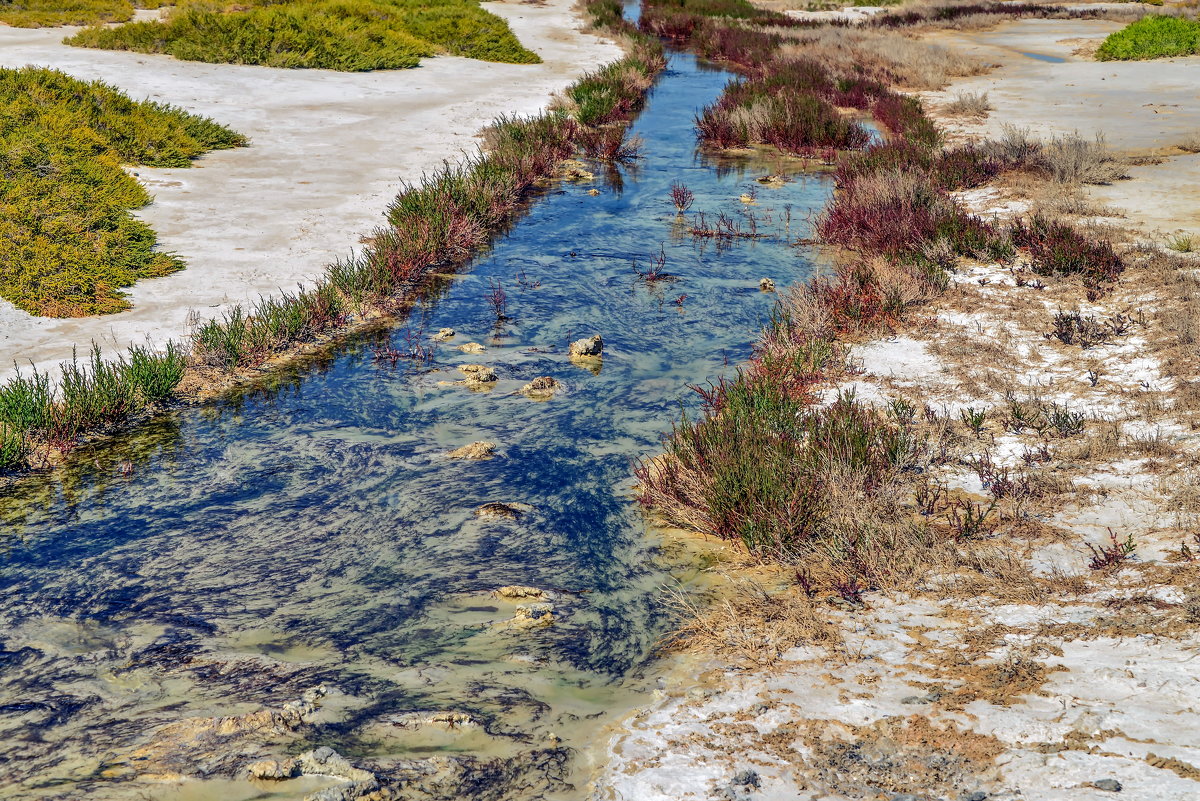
(968, 104)
(909, 62)
(1190, 144)
(751, 625)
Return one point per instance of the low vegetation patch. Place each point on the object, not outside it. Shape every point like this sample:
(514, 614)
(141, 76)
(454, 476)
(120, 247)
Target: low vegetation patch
(1057, 249)
(90, 395)
(782, 109)
(1155, 36)
(68, 242)
(51, 13)
(347, 35)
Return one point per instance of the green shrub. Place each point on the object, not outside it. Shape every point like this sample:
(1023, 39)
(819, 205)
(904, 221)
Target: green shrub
(68, 243)
(155, 375)
(766, 467)
(14, 447)
(1152, 37)
(27, 403)
(96, 393)
(345, 35)
(50, 13)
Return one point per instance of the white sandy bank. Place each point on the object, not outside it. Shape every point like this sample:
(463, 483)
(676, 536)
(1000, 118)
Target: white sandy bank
(328, 152)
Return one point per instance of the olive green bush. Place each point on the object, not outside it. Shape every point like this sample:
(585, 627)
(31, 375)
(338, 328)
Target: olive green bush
(345, 35)
(68, 242)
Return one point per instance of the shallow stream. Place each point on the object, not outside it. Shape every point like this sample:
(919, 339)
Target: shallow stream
(224, 559)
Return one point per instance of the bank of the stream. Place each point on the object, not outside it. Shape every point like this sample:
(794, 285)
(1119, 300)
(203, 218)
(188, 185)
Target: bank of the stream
(223, 559)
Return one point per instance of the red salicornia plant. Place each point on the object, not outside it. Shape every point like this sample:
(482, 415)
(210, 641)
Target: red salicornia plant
(682, 197)
(497, 298)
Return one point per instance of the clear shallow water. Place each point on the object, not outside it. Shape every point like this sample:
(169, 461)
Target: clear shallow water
(1044, 57)
(316, 533)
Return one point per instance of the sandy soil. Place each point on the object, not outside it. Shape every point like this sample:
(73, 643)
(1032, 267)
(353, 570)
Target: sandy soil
(329, 151)
(1011, 692)
(1143, 108)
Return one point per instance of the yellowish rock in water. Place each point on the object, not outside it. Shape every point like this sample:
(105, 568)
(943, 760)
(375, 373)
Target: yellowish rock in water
(593, 192)
(472, 347)
(541, 388)
(575, 170)
(772, 181)
(532, 616)
(444, 719)
(479, 376)
(273, 769)
(476, 451)
(766, 285)
(748, 199)
(593, 346)
(518, 591)
(444, 335)
(186, 746)
(503, 511)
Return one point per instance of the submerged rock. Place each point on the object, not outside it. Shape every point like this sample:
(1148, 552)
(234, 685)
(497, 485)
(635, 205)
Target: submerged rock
(444, 335)
(517, 591)
(476, 451)
(220, 744)
(541, 388)
(766, 285)
(502, 511)
(324, 761)
(575, 170)
(274, 769)
(472, 347)
(592, 347)
(478, 372)
(531, 616)
(478, 376)
(444, 719)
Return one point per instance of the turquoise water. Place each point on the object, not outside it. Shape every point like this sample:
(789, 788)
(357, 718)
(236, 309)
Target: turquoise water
(223, 559)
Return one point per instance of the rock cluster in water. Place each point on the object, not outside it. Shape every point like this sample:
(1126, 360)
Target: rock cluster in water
(181, 748)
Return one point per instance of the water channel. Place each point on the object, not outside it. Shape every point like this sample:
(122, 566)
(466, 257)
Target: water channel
(223, 559)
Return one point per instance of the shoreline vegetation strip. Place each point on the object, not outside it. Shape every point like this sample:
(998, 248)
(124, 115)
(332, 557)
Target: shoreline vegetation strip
(431, 228)
(770, 462)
